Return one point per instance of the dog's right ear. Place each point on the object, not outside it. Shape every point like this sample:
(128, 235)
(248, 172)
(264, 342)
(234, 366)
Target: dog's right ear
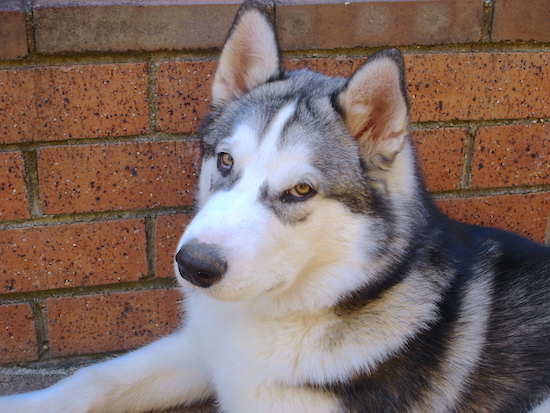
(250, 55)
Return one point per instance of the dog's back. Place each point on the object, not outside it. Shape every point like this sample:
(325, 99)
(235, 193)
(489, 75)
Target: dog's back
(488, 349)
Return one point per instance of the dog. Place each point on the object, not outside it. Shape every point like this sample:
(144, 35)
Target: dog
(318, 275)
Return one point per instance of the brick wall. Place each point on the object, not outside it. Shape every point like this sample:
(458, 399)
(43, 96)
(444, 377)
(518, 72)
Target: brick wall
(99, 107)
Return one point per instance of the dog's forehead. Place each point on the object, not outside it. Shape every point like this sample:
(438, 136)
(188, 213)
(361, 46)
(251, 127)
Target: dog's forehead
(261, 129)
(259, 107)
(294, 130)
(265, 151)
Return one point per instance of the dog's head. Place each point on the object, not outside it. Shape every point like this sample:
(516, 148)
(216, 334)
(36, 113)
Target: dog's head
(297, 175)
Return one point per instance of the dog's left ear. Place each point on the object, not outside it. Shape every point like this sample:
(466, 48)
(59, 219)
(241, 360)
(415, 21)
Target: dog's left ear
(375, 107)
(250, 55)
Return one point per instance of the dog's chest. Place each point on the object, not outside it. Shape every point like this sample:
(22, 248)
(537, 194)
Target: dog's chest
(256, 362)
(240, 347)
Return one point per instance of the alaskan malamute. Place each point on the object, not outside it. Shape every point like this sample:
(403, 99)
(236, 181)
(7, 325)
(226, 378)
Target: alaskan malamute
(318, 275)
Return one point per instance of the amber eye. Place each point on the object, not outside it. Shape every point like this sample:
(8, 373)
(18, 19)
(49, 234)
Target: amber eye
(225, 162)
(300, 192)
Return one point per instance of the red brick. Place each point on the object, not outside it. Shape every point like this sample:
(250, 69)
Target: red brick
(13, 31)
(303, 24)
(117, 176)
(95, 25)
(465, 86)
(478, 86)
(511, 155)
(109, 322)
(168, 231)
(521, 20)
(75, 255)
(526, 214)
(19, 119)
(69, 102)
(440, 156)
(17, 335)
(12, 187)
(441, 87)
(183, 94)
(331, 67)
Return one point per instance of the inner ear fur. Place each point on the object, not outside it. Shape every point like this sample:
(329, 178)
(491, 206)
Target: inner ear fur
(375, 107)
(250, 56)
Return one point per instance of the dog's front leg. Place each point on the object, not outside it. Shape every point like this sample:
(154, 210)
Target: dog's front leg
(165, 373)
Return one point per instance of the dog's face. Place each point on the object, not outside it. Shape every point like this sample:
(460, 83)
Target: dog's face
(293, 169)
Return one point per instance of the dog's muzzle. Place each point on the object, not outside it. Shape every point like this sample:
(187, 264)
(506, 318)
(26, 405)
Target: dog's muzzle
(201, 264)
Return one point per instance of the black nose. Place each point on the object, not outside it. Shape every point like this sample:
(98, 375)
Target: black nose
(201, 264)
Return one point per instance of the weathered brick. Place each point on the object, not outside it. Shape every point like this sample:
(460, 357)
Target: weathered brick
(183, 94)
(13, 32)
(440, 156)
(12, 187)
(168, 231)
(59, 256)
(303, 24)
(17, 335)
(91, 25)
(511, 155)
(117, 176)
(521, 20)
(68, 102)
(526, 214)
(478, 85)
(109, 322)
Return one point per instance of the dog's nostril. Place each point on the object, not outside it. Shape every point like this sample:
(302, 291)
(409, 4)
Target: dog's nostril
(201, 264)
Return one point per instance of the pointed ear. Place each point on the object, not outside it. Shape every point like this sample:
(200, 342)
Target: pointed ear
(375, 107)
(250, 55)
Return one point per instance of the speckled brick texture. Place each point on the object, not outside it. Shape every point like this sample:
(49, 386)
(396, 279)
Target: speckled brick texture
(117, 176)
(463, 86)
(511, 155)
(440, 155)
(168, 231)
(183, 94)
(70, 102)
(342, 67)
(17, 335)
(472, 86)
(108, 322)
(526, 214)
(13, 192)
(60, 256)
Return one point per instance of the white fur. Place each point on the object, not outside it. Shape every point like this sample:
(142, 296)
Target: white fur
(544, 407)
(260, 336)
